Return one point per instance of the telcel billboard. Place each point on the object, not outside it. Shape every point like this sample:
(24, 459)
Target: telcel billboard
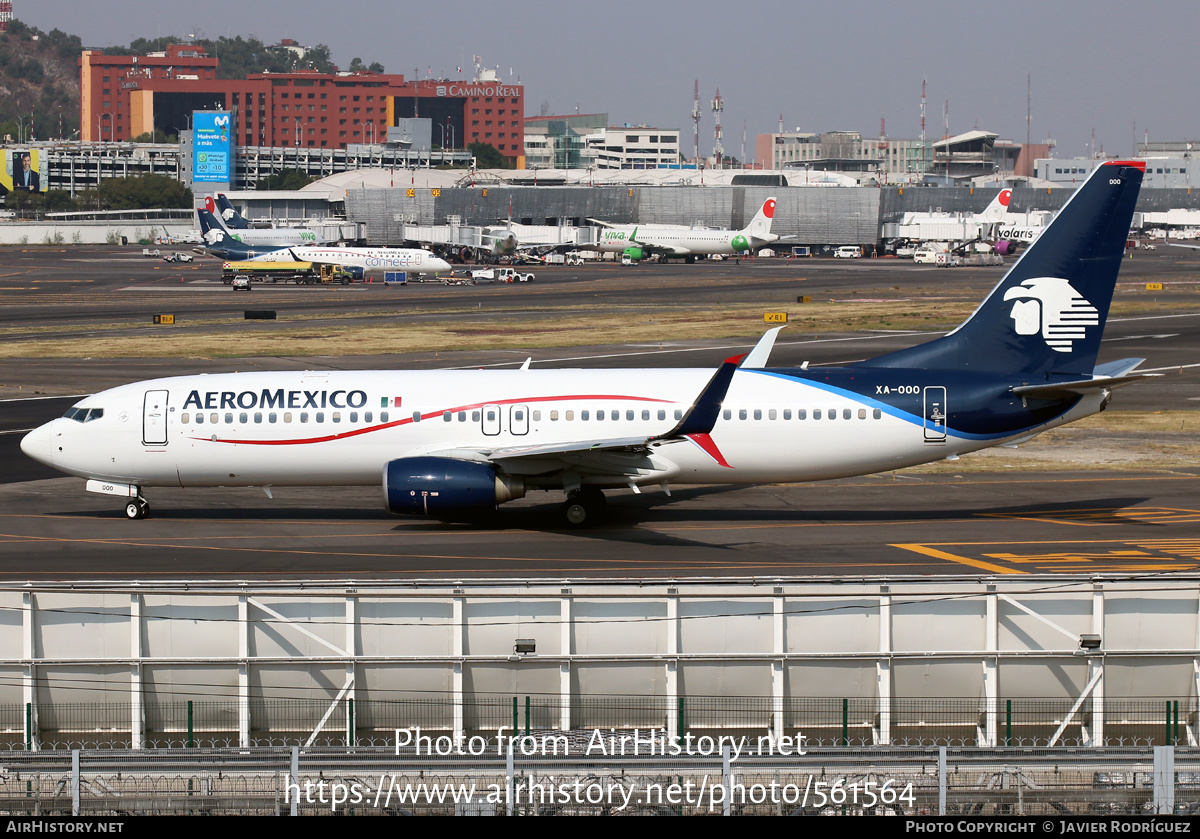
(211, 155)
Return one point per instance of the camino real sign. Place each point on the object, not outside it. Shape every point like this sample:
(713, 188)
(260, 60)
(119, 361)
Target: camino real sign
(211, 147)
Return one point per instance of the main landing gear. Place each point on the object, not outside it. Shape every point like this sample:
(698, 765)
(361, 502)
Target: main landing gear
(584, 507)
(138, 508)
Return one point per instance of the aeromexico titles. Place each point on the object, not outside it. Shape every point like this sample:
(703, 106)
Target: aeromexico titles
(455, 443)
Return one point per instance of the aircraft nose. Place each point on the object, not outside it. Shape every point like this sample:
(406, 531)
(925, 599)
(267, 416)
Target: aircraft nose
(38, 444)
(440, 265)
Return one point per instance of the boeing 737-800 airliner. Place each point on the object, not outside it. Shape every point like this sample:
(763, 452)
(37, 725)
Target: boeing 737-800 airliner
(452, 443)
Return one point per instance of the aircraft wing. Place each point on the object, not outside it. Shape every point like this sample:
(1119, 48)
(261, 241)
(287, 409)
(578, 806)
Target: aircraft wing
(621, 455)
(1181, 245)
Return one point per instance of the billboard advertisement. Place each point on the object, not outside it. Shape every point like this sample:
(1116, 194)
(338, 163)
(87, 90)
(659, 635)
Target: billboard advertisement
(211, 147)
(24, 170)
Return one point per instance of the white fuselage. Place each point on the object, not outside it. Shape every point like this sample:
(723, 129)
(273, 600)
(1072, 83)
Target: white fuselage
(274, 237)
(370, 260)
(342, 428)
(681, 241)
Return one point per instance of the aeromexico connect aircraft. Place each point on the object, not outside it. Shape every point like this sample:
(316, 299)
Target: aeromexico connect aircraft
(641, 240)
(453, 443)
(219, 243)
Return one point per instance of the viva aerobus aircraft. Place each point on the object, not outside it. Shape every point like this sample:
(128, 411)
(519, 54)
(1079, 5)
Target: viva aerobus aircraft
(637, 241)
(455, 443)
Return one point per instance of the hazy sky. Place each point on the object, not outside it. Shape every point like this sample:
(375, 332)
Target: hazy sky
(1096, 65)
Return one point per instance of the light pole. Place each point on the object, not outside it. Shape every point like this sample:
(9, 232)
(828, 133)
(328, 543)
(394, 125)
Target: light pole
(99, 130)
(299, 134)
(450, 125)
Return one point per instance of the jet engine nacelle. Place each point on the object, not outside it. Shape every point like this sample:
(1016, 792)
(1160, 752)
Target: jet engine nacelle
(504, 244)
(1005, 247)
(439, 486)
(636, 254)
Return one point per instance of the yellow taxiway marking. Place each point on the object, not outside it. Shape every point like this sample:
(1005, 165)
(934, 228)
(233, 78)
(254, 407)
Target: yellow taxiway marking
(1099, 516)
(962, 560)
(1092, 556)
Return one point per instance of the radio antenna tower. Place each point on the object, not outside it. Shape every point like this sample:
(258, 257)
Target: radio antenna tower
(6, 14)
(696, 124)
(717, 107)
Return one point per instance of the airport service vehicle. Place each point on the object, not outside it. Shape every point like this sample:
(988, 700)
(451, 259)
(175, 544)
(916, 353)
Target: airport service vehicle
(928, 254)
(503, 275)
(456, 443)
(639, 241)
(512, 275)
(848, 252)
(240, 282)
(178, 257)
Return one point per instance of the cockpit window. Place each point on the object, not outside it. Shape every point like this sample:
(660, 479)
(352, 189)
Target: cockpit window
(84, 414)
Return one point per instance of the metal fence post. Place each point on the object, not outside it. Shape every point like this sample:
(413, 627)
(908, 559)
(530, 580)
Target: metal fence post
(74, 782)
(845, 721)
(1164, 780)
(191, 741)
(295, 809)
(509, 774)
(727, 778)
(941, 780)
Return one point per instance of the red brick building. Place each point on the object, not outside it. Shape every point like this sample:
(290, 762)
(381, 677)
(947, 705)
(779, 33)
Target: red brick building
(126, 96)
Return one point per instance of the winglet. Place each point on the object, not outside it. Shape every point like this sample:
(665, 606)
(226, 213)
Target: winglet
(756, 359)
(702, 416)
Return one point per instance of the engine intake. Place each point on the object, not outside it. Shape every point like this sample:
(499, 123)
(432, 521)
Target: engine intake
(439, 486)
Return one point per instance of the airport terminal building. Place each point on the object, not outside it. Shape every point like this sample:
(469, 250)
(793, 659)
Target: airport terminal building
(123, 97)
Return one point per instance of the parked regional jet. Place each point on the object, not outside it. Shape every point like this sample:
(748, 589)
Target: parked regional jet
(219, 242)
(366, 260)
(453, 443)
(639, 240)
(276, 237)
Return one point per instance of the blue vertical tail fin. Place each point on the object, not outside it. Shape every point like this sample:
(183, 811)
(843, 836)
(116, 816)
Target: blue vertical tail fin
(229, 214)
(1046, 317)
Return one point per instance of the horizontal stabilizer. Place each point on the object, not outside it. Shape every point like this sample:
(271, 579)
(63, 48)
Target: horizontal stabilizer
(1120, 367)
(1056, 390)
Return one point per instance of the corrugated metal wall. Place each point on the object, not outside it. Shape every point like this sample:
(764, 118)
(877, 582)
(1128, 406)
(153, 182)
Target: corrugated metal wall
(812, 215)
(807, 216)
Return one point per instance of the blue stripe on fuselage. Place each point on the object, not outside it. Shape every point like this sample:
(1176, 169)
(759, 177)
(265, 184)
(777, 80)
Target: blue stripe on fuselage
(1029, 419)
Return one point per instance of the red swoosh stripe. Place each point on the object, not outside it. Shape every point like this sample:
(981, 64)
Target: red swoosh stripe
(710, 448)
(432, 414)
